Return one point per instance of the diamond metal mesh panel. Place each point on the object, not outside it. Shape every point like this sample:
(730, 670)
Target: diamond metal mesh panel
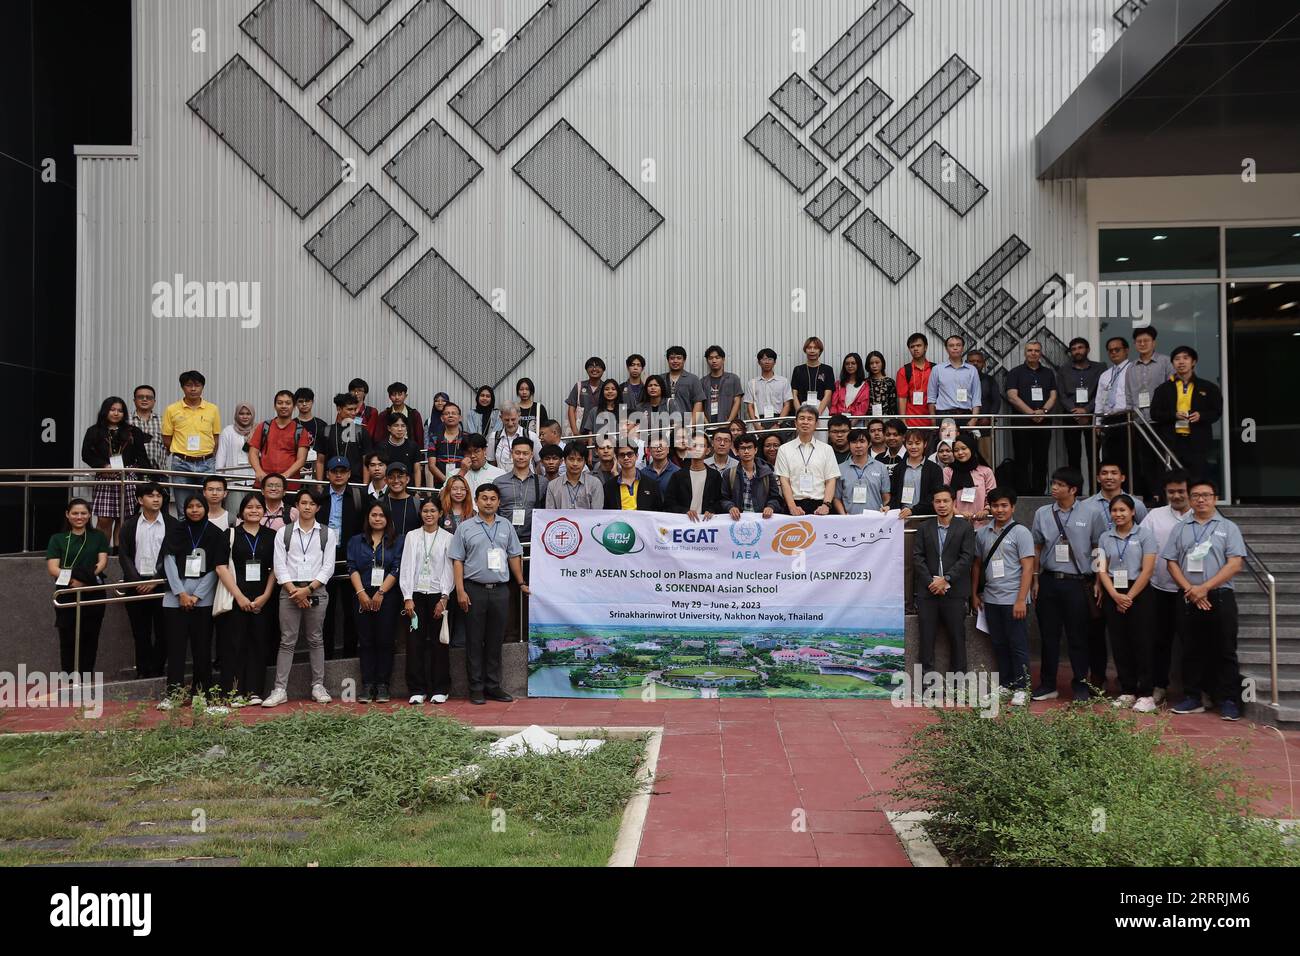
(1055, 352)
(860, 43)
(367, 10)
(851, 119)
(580, 187)
(776, 144)
(888, 253)
(433, 169)
(798, 101)
(996, 266)
(992, 311)
(1031, 311)
(948, 179)
(517, 106)
(298, 35)
(943, 325)
(456, 322)
(1128, 12)
(360, 240)
(868, 167)
(1001, 342)
(264, 131)
(832, 205)
(931, 103)
(957, 301)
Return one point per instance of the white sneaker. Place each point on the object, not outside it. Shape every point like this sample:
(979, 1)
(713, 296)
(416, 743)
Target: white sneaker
(416, 699)
(165, 704)
(1146, 705)
(238, 703)
(276, 698)
(254, 701)
(439, 698)
(1158, 695)
(217, 711)
(1019, 699)
(1125, 700)
(320, 695)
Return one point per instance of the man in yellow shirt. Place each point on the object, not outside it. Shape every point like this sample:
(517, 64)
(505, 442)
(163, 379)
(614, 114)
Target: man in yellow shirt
(190, 428)
(628, 490)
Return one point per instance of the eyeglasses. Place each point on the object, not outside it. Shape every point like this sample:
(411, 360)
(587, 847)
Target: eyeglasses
(1202, 495)
(1118, 348)
(627, 454)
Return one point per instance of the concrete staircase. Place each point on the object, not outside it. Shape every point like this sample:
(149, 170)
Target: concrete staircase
(1273, 533)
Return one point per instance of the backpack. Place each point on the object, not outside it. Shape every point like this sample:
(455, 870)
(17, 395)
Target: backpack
(266, 431)
(284, 538)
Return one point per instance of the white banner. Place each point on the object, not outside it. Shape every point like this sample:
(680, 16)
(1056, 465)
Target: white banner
(628, 603)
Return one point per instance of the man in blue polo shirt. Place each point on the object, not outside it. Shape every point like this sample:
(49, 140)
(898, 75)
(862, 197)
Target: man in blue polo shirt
(864, 482)
(1002, 585)
(1204, 553)
(954, 387)
(1065, 532)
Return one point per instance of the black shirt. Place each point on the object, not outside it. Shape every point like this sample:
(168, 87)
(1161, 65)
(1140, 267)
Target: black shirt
(408, 453)
(405, 512)
(247, 549)
(348, 441)
(805, 380)
(1024, 379)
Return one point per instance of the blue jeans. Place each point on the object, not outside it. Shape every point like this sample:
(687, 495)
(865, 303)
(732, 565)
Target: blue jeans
(1010, 643)
(200, 468)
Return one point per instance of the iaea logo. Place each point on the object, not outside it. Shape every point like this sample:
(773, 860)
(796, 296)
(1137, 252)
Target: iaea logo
(745, 534)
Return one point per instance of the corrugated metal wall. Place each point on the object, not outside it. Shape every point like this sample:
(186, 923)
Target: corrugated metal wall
(680, 85)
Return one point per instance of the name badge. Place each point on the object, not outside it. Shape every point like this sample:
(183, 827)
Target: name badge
(496, 559)
(1196, 557)
(1081, 396)
(859, 494)
(311, 454)
(713, 409)
(968, 494)
(1036, 393)
(359, 422)
(1062, 553)
(877, 410)
(517, 517)
(769, 411)
(64, 578)
(805, 485)
(1144, 399)
(918, 398)
(192, 443)
(909, 494)
(115, 461)
(997, 568)
(1120, 577)
(194, 565)
(961, 394)
(376, 576)
(252, 572)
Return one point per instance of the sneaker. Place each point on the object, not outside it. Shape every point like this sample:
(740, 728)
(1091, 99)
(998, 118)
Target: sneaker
(254, 701)
(1229, 710)
(1046, 693)
(365, 695)
(1189, 705)
(276, 698)
(477, 699)
(239, 703)
(165, 704)
(439, 698)
(218, 711)
(1125, 700)
(1019, 699)
(1145, 705)
(416, 699)
(320, 695)
(1159, 696)
(1082, 695)
(381, 694)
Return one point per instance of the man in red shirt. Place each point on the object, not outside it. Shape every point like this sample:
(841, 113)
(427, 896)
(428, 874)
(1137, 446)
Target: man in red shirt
(913, 383)
(279, 447)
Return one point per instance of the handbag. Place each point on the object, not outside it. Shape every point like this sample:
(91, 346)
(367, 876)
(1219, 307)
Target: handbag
(223, 600)
(444, 635)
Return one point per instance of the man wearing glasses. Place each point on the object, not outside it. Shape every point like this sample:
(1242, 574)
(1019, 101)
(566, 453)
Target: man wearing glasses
(144, 419)
(1113, 403)
(629, 490)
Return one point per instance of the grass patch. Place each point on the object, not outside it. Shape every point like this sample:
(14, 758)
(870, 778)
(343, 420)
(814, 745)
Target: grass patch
(1080, 786)
(709, 670)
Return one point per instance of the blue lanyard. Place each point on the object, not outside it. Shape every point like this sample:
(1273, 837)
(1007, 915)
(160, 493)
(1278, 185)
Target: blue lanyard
(858, 474)
(194, 542)
(1196, 538)
(252, 541)
(1120, 551)
(301, 543)
(377, 555)
(573, 493)
(491, 537)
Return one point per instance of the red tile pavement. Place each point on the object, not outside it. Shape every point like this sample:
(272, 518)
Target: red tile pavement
(776, 782)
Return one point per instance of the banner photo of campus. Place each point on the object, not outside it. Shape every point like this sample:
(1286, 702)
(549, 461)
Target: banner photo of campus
(639, 604)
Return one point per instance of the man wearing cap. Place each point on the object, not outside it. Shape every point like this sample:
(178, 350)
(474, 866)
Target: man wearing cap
(402, 505)
(343, 513)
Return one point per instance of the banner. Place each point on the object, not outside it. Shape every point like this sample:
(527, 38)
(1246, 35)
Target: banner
(650, 605)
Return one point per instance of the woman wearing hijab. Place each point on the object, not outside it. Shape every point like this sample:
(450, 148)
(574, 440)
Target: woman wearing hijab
(970, 479)
(191, 553)
(232, 453)
(434, 426)
(113, 442)
(485, 418)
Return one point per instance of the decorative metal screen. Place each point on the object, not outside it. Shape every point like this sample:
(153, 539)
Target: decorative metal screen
(1055, 352)
(264, 131)
(539, 61)
(405, 66)
(991, 311)
(433, 169)
(798, 101)
(851, 119)
(832, 205)
(931, 103)
(860, 43)
(362, 238)
(367, 10)
(584, 190)
(996, 266)
(1003, 344)
(456, 322)
(1128, 12)
(776, 144)
(1031, 311)
(957, 301)
(298, 35)
(868, 167)
(888, 253)
(943, 325)
(948, 179)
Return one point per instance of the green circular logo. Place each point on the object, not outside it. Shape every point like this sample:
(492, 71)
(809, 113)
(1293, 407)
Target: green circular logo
(618, 537)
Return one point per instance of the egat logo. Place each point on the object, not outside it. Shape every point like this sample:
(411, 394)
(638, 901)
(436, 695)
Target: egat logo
(674, 539)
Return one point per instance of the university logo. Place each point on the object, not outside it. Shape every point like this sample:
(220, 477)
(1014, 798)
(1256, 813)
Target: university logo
(744, 534)
(793, 537)
(618, 538)
(562, 538)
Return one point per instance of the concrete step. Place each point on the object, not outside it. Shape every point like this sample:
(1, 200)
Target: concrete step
(1237, 512)
(1285, 716)
(1263, 680)
(1283, 547)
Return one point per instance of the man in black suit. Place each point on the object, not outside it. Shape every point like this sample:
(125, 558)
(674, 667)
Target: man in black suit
(138, 554)
(914, 480)
(682, 497)
(343, 512)
(642, 494)
(942, 557)
(1184, 410)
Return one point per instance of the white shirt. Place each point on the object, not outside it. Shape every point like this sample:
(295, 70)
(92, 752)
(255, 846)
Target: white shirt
(221, 521)
(851, 394)
(501, 454)
(697, 488)
(488, 473)
(304, 560)
(148, 542)
(1111, 396)
(421, 548)
(231, 454)
(1162, 522)
(816, 458)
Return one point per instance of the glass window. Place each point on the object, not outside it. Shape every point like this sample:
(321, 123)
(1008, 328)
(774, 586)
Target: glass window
(1159, 253)
(1270, 251)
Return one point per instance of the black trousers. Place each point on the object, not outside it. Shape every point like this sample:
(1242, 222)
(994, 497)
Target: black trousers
(192, 629)
(1210, 648)
(65, 622)
(1030, 447)
(1130, 642)
(949, 610)
(1148, 470)
(1063, 606)
(1166, 624)
(517, 621)
(342, 596)
(244, 638)
(1114, 445)
(485, 627)
(1098, 659)
(377, 633)
(1078, 453)
(428, 660)
(149, 630)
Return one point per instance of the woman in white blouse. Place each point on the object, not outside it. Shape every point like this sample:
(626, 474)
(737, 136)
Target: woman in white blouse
(232, 455)
(425, 578)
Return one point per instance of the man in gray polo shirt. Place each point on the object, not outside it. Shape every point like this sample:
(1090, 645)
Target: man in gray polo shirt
(1147, 372)
(723, 390)
(1065, 532)
(685, 394)
(1003, 579)
(1204, 553)
(864, 482)
(485, 554)
(521, 492)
